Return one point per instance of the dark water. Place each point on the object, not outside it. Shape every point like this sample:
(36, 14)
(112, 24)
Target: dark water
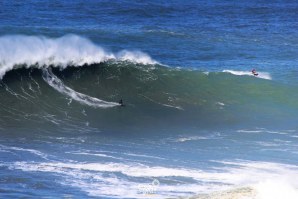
(194, 121)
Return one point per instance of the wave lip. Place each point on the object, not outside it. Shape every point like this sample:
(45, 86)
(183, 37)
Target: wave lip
(69, 50)
(262, 75)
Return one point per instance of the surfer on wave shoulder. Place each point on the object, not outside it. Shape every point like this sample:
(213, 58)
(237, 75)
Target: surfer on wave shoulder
(254, 72)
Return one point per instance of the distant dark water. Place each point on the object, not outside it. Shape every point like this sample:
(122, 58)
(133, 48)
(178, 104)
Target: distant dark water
(195, 120)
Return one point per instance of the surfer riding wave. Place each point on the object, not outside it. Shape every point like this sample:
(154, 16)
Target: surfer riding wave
(254, 72)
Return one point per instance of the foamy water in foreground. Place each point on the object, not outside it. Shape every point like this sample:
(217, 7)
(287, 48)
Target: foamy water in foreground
(128, 170)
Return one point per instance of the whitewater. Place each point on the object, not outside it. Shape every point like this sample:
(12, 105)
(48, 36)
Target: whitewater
(69, 50)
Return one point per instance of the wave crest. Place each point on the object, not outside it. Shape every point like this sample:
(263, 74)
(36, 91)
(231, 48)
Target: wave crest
(41, 51)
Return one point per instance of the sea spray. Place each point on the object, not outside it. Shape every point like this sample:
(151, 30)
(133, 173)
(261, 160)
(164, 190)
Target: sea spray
(70, 50)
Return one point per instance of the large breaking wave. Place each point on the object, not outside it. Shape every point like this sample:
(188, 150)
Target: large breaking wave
(71, 50)
(151, 91)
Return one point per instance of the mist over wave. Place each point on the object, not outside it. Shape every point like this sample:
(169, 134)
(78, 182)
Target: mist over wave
(70, 50)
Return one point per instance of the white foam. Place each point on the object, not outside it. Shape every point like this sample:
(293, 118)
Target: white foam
(32, 151)
(79, 175)
(262, 75)
(141, 155)
(260, 130)
(135, 56)
(40, 52)
(220, 103)
(269, 180)
(249, 131)
(58, 85)
(190, 138)
(276, 189)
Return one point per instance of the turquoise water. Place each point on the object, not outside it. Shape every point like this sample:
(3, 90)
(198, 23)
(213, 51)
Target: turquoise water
(195, 121)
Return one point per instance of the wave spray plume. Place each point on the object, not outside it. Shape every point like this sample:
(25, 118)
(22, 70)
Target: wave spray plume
(70, 50)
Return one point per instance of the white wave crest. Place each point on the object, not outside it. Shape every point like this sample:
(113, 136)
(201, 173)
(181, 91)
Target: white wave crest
(135, 56)
(40, 52)
(58, 85)
(262, 75)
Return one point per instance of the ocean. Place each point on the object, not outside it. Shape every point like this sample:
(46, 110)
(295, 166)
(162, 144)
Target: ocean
(194, 123)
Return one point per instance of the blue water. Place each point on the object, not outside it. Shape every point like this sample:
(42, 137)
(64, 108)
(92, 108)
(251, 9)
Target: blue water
(195, 120)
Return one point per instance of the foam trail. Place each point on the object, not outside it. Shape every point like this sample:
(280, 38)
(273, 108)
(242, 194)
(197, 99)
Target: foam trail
(69, 50)
(263, 75)
(58, 85)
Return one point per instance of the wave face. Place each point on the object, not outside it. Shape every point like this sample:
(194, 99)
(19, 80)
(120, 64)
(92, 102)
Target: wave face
(57, 84)
(154, 96)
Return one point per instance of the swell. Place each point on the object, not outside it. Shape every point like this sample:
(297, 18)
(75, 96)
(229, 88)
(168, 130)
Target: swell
(154, 96)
